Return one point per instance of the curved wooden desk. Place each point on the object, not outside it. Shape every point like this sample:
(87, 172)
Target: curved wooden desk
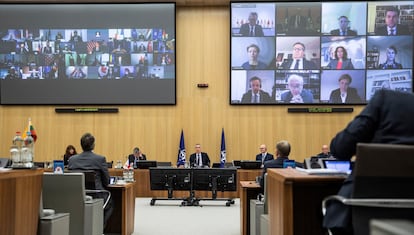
(20, 201)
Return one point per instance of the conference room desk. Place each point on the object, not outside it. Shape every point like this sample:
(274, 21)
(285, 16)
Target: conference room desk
(142, 186)
(122, 218)
(295, 201)
(249, 190)
(19, 201)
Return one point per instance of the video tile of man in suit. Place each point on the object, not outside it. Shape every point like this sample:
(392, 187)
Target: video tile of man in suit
(256, 95)
(343, 30)
(252, 29)
(392, 28)
(298, 59)
(296, 93)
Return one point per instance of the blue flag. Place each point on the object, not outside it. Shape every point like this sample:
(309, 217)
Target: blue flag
(181, 151)
(222, 150)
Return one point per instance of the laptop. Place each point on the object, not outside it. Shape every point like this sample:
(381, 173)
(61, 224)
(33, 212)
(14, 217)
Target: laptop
(341, 165)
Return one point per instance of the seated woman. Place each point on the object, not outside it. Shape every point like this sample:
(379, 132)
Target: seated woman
(253, 52)
(70, 151)
(341, 60)
(390, 63)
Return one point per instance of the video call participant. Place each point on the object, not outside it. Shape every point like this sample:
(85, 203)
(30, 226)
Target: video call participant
(251, 29)
(299, 61)
(253, 51)
(75, 37)
(341, 60)
(282, 154)
(263, 156)
(136, 155)
(88, 160)
(325, 152)
(256, 95)
(383, 120)
(390, 63)
(296, 93)
(345, 94)
(392, 16)
(343, 28)
(297, 23)
(70, 151)
(199, 159)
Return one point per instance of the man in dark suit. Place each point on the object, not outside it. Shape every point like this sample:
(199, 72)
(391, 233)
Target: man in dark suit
(392, 27)
(263, 156)
(199, 159)
(296, 93)
(251, 29)
(88, 160)
(343, 28)
(344, 94)
(386, 119)
(325, 152)
(256, 95)
(136, 155)
(297, 23)
(298, 61)
(282, 154)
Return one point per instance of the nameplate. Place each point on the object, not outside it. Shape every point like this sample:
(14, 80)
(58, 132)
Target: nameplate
(320, 110)
(86, 110)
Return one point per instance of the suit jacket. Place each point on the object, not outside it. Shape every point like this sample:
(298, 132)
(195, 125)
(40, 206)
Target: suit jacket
(204, 158)
(268, 157)
(383, 120)
(275, 163)
(346, 64)
(401, 30)
(351, 97)
(264, 97)
(306, 64)
(245, 30)
(395, 65)
(349, 32)
(307, 96)
(91, 161)
(131, 159)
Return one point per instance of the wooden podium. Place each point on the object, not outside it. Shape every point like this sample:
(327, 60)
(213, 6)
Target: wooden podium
(295, 201)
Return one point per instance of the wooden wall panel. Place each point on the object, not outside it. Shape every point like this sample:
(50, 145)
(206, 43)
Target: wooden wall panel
(203, 56)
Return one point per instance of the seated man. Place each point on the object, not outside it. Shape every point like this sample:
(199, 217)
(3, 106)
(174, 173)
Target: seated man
(88, 160)
(325, 152)
(264, 156)
(296, 93)
(199, 159)
(282, 154)
(136, 155)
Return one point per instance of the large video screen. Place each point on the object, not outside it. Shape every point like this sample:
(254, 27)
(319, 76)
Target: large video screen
(88, 53)
(319, 52)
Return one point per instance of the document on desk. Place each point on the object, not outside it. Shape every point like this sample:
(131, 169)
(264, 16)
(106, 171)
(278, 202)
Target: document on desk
(323, 171)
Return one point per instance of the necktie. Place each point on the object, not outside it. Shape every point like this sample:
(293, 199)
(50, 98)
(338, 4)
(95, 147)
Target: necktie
(391, 32)
(200, 162)
(256, 98)
(252, 31)
(297, 64)
(263, 157)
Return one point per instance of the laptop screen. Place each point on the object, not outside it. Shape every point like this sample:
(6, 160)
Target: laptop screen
(344, 166)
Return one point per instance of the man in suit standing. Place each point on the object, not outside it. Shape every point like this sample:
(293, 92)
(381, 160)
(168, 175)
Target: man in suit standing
(298, 61)
(256, 95)
(88, 160)
(251, 29)
(199, 159)
(263, 156)
(385, 119)
(392, 27)
(343, 28)
(345, 94)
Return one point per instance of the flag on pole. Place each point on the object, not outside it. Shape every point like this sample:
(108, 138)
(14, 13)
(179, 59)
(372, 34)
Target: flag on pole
(222, 150)
(181, 151)
(30, 128)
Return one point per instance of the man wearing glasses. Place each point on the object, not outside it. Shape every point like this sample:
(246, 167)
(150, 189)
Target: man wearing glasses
(298, 61)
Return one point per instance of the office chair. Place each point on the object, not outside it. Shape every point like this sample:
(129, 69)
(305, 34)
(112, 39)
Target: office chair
(90, 187)
(65, 193)
(383, 185)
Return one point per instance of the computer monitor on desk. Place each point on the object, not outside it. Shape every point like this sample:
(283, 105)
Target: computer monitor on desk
(167, 178)
(145, 164)
(215, 179)
(250, 164)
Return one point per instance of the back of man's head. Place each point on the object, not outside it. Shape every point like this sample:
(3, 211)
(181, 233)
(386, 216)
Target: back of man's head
(87, 142)
(283, 148)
